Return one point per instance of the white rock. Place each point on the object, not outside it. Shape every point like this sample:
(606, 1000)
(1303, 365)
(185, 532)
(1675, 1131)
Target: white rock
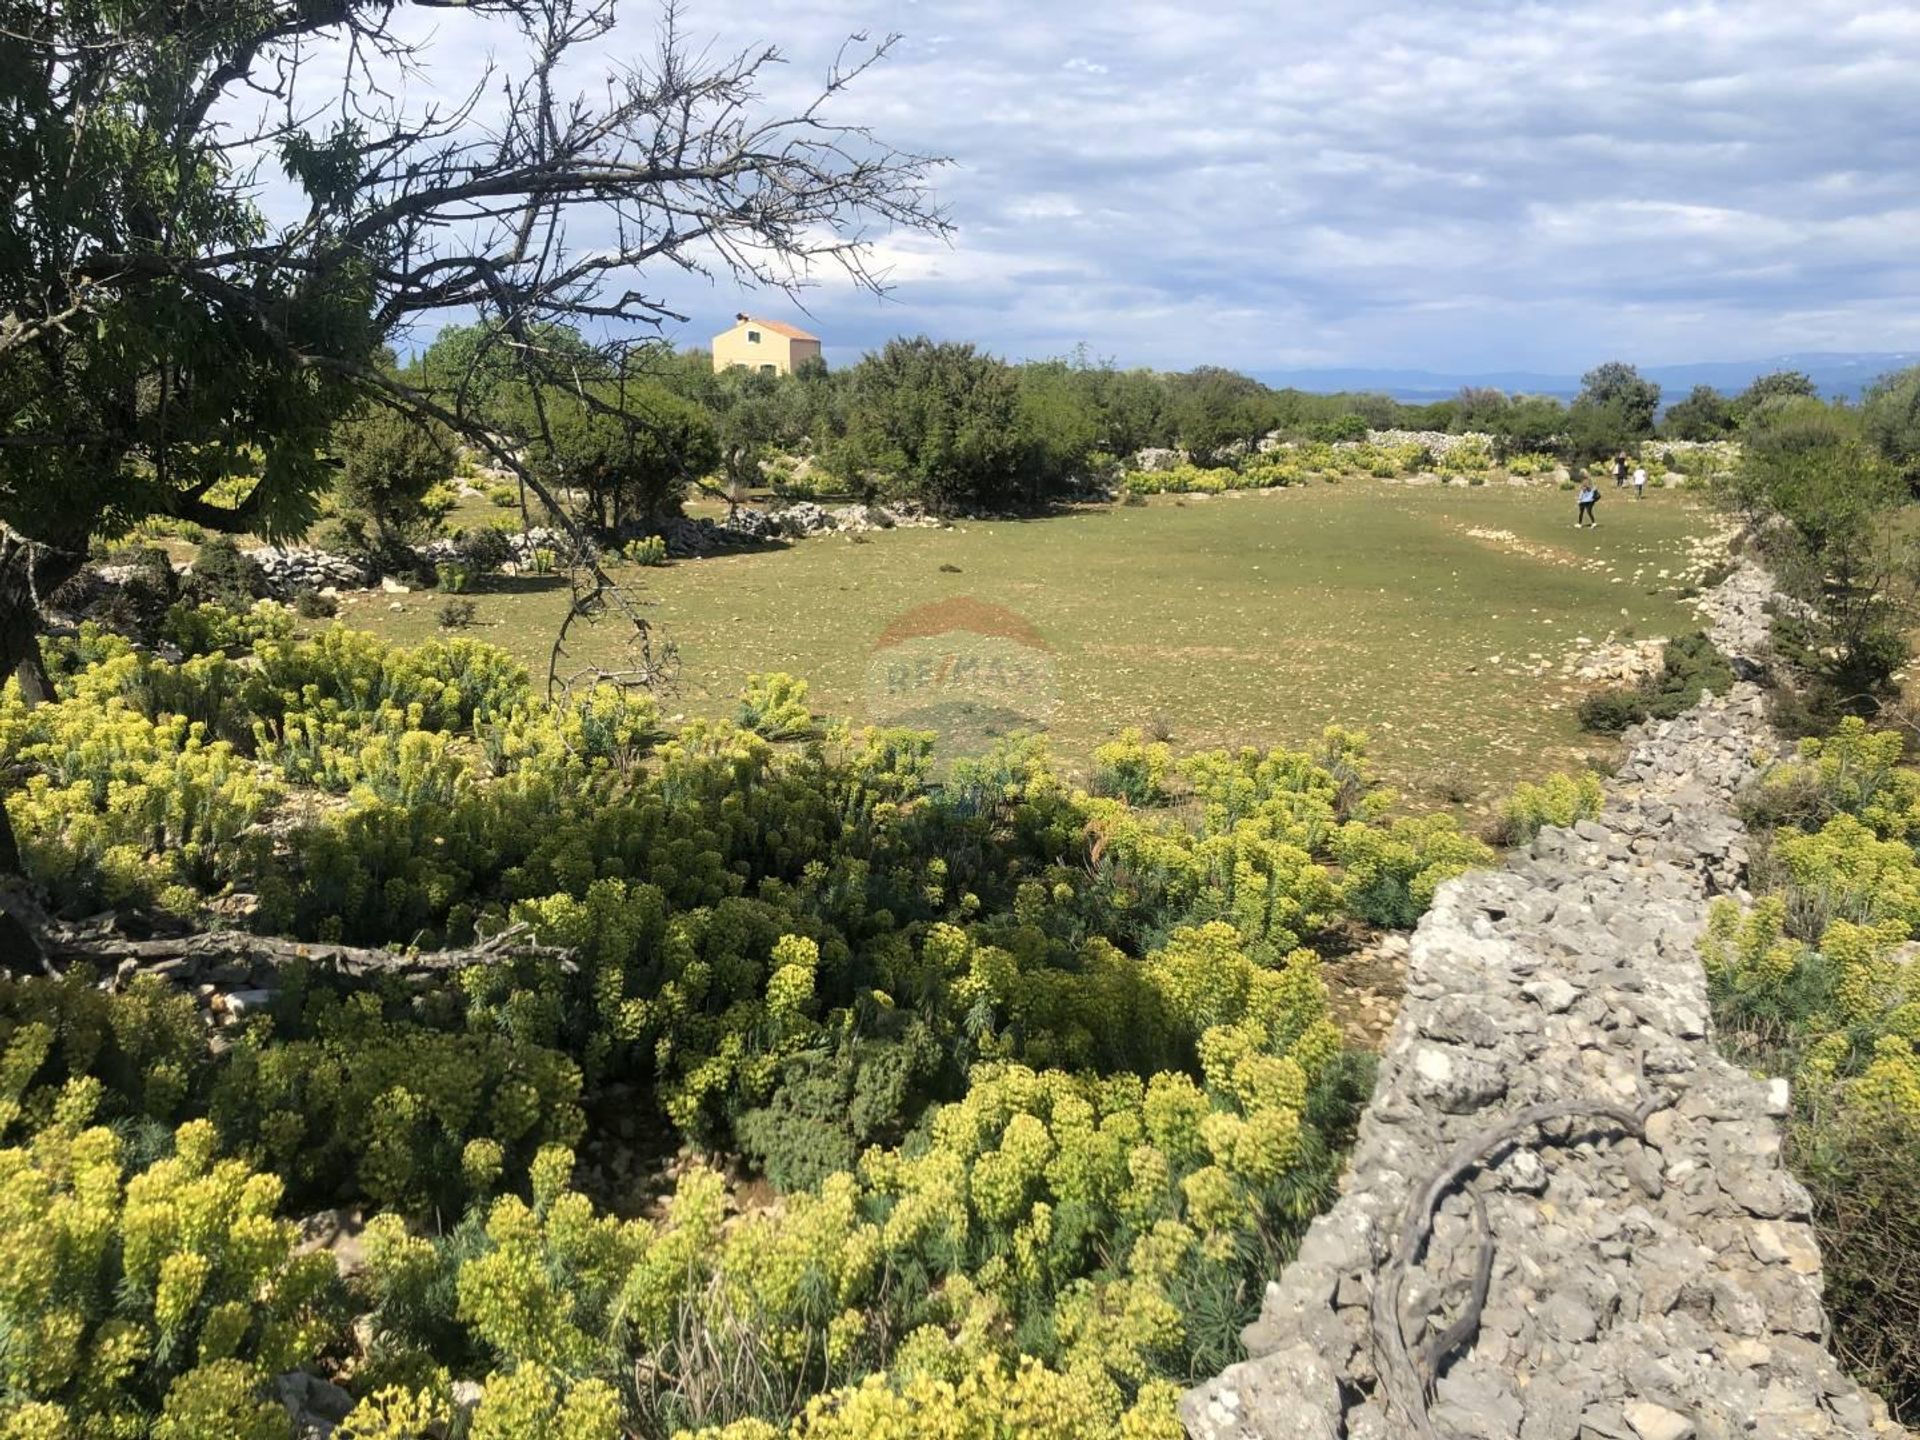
(1779, 1097)
(1656, 1422)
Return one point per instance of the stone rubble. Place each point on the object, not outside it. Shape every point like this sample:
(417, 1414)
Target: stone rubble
(291, 570)
(1665, 1289)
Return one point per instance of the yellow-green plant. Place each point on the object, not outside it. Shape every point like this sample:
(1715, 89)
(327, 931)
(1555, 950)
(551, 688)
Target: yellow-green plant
(1560, 800)
(775, 706)
(160, 1303)
(1131, 768)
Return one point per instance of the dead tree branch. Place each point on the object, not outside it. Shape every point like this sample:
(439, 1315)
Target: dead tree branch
(1407, 1384)
(184, 955)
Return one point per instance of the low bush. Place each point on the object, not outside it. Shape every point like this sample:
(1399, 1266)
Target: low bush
(456, 614)
(484, 548)
(775, 707)
(221, 575)
(160, 1303)
(1560, 800)
(1048, 1081)
(1131, 768)
(312, 605)
(1691, 666)
(648, 550)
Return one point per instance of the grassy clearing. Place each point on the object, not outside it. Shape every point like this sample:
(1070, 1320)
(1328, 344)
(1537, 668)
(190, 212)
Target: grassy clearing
(1435, 618)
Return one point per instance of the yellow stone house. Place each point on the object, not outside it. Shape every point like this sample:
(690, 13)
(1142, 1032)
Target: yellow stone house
(764, 345)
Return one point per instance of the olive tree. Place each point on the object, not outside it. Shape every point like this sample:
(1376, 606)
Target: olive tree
(168, 348)
(1614, 410)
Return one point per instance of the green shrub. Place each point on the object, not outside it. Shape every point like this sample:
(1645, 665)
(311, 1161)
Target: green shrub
(202, 629)
(1559, 800)
(1132, 769)
(648, 550)
(1608, 712)
(221, 575)
(1048, 1081)
(163, 1303)
(454, 577)
(1814, 983)
(312, 605)
(456, 614)
(775, 706)
(483, 549)
(1690, 667)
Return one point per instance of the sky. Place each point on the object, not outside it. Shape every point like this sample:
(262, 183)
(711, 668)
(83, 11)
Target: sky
(1415, 183)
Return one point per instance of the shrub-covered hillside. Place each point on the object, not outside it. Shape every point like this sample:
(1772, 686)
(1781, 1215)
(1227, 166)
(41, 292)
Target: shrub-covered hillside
(1044, 1081)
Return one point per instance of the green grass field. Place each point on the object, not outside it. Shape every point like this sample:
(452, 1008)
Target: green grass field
(1434, 618)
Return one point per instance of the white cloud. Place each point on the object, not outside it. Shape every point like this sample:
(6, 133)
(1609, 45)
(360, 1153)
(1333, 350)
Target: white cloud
(1446, 183)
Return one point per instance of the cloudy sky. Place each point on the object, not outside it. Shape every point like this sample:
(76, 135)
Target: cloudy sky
(1449, 184)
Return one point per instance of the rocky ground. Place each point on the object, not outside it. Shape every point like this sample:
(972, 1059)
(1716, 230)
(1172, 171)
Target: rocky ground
(1658, 1285)
(290, 570)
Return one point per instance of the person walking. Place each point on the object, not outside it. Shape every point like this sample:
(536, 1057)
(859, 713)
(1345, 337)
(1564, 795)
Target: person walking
(1589, 497)
(1640, 482)
(1619, 469)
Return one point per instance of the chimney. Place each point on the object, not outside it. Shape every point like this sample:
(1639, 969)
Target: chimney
(741, 316)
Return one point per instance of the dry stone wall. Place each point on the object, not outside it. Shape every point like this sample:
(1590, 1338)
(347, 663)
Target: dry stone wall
(1659, 1287)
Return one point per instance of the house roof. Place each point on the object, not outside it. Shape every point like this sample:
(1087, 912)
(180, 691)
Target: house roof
(792, 332)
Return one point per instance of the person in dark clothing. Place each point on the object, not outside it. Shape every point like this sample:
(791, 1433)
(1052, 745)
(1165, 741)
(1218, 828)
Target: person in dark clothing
(1620, 470)
(1589, 497)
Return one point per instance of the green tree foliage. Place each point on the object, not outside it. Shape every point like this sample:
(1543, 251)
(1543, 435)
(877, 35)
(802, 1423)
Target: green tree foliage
(1530, 424)
(629, 449)
(1216, 410)
(1614, 411)
(1705, 414)
(937, 421)
(476, 368)
(1837, 545)
(753, 414)
(1890, 415)
(1778, 385)
(389, 461)
(1620, 387)
(1062, 421)
(1134, 411)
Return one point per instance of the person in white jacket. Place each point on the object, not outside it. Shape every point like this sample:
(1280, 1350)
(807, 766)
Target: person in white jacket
(1639, 482)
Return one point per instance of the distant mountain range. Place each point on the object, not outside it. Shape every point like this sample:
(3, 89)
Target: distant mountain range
(1839, 376)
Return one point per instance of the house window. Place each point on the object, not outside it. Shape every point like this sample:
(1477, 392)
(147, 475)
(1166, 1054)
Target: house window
(753, 337)
(769, 369)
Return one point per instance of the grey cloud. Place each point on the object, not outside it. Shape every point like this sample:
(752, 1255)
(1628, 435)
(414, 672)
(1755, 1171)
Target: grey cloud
(1442, 183)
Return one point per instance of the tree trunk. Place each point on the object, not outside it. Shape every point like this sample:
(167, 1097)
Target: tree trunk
(31, 672)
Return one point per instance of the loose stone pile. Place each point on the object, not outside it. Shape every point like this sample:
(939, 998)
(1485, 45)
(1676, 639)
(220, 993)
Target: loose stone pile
(288, 572)
(803, 517)
(521, 546)
(1437, 443)
(1660, 1287)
